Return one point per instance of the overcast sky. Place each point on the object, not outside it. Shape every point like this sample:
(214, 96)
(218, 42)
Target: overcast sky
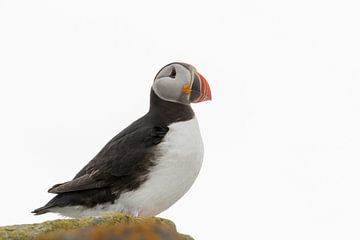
(282, 134)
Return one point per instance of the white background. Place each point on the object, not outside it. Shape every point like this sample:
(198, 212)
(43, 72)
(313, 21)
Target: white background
(281, 135)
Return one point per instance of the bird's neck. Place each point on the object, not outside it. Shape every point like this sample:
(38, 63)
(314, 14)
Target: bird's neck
(169, 112)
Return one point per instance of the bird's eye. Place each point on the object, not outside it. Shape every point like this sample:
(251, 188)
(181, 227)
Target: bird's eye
(172, 73)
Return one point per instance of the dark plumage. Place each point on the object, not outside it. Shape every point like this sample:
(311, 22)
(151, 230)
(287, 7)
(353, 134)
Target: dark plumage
(123, 162)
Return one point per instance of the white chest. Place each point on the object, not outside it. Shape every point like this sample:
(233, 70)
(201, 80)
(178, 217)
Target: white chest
(178, 164)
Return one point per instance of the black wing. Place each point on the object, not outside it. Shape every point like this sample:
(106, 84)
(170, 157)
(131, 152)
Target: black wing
(120, 165)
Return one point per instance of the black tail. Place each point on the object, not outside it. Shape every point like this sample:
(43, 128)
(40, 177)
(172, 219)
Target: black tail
(41, 210)
(86, 198)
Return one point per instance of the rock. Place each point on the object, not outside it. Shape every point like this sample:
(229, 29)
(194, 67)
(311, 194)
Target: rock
(114, 227)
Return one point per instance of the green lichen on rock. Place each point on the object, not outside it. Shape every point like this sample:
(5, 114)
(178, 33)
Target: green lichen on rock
(92, 227)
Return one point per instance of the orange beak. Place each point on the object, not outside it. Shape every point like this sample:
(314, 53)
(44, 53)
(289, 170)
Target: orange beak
(200, 89)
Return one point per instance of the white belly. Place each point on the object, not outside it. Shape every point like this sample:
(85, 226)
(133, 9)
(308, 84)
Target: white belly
(175, 171)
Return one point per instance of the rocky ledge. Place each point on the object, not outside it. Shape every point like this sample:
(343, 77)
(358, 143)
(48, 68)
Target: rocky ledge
(114, 227)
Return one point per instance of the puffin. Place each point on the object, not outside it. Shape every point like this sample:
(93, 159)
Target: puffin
(150, 164)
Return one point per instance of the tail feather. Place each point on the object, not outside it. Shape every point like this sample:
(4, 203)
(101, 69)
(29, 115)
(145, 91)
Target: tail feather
(41, 210)
(86, 198)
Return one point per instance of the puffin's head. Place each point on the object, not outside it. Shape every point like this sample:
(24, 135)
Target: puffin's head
(181, 83)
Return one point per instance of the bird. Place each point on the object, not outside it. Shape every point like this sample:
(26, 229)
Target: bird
(149, 165)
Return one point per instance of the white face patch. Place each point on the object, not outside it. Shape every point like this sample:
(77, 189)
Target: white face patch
(170, 81)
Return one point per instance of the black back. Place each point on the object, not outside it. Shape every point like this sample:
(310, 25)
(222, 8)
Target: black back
(124, 162)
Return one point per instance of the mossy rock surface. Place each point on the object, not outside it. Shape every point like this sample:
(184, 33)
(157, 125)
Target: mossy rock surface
(112, 227)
